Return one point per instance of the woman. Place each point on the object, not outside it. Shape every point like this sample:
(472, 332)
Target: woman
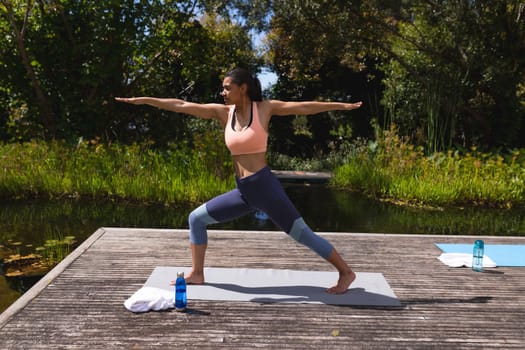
(245, 117)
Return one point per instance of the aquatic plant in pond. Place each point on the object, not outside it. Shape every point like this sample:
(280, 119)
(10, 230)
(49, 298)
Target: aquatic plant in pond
(55, 250)
(34, 261)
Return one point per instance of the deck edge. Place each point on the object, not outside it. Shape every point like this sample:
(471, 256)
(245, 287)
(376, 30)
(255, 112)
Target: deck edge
(110, 229)
(33, 292)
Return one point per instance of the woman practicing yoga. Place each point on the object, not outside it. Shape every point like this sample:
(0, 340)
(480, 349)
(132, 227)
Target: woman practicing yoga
(245, 117)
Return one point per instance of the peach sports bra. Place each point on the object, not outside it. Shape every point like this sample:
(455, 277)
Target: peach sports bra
(252, 139)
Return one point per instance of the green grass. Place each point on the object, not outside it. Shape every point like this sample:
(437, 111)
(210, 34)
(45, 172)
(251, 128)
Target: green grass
(135, 172)
(394, 170)
(389, 169)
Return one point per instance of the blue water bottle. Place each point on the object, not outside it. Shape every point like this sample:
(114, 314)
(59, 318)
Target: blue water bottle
(477, 256)
(261, 215)
(180, 292)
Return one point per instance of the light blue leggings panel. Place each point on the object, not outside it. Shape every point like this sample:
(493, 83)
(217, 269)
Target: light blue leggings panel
(199, 219)
(302, 233)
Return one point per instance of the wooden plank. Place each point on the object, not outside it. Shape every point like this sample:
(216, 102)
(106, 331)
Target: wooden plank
(48, 278)
(302, 176)
(442, 308)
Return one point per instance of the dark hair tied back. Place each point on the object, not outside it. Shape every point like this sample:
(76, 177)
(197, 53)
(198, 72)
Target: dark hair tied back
(242, 76)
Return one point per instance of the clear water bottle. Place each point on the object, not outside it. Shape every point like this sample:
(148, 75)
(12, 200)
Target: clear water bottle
(180, 292)
(477, 256)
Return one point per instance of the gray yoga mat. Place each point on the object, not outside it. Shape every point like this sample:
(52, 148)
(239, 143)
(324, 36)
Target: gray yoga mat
(279, 286)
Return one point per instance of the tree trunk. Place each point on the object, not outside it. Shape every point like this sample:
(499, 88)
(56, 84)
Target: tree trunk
(46, 114)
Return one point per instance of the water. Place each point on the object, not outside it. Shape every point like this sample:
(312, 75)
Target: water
(34, 222)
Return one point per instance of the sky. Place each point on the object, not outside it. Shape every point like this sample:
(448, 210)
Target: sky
(267, 78)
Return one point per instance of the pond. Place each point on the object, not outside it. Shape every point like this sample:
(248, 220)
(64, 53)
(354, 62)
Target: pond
(26, 226)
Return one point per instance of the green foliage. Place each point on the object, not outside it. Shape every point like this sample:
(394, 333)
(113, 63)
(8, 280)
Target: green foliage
(452, 71)
(135, 172)
(453, 74)
(448, 73)
(81, 54)
(395, 170)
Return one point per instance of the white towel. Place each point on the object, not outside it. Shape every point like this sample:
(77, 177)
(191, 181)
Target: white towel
(463, 259)
(150, 298)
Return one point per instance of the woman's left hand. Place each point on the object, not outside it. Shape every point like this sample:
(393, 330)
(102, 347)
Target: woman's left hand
(350, 106)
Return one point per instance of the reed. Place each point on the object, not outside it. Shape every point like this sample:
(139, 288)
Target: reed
(389, 168)
(55, 248)
(134, 172)
(397, 171)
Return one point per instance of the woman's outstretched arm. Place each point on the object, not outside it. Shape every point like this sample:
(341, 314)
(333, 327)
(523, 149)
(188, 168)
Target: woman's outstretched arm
(309, 107)
(204, 111)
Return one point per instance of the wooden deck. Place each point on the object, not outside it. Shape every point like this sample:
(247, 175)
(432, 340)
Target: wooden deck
(79, 305)
(302, 176)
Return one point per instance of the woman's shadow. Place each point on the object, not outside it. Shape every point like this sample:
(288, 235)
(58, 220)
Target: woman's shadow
(310, 294)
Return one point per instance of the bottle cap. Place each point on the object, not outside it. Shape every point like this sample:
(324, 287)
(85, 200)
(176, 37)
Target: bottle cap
(180, 274)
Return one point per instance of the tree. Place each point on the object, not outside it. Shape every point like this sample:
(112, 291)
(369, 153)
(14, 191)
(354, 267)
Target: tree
(80, 54)
(455, 74)
(18, 14)
(329, 50)
(450, 72)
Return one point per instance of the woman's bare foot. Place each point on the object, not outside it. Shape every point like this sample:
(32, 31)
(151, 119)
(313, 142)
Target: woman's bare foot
(192, 278)
(345, 280)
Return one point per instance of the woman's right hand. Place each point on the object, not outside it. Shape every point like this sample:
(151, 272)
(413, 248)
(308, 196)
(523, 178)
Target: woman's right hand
(132, 100)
